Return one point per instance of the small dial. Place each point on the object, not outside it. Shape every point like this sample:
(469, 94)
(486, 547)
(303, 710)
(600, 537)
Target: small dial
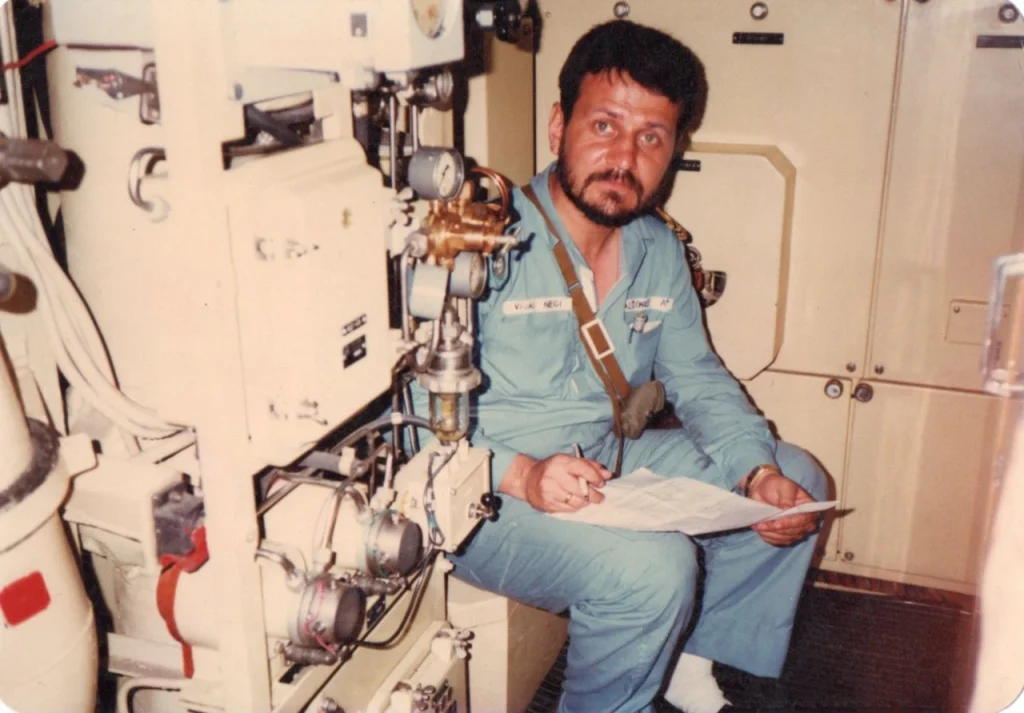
(448, 175)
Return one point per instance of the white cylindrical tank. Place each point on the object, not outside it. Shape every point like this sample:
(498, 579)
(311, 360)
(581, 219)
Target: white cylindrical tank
(50, 657)
(47, 631)
(17, 446)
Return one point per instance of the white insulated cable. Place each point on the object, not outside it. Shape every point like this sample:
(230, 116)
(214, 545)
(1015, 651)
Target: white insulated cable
(71, 331)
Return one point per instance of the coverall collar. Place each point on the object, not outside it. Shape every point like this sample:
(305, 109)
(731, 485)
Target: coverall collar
(634, 235)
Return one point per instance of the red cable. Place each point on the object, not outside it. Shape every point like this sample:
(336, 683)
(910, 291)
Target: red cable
(45, 47)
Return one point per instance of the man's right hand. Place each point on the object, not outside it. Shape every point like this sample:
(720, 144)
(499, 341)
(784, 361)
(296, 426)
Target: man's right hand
(553, 484)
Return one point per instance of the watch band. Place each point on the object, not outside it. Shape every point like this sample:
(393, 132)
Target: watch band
(756, 473)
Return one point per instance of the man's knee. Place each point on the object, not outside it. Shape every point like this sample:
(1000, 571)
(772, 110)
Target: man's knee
(658, 572)
(799, 466)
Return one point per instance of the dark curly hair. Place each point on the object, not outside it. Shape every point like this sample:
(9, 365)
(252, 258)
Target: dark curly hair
(650, 57)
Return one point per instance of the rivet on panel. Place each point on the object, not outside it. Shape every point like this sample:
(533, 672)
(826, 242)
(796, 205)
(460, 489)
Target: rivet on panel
(848, 556)
(851, 367)
(879, 369)
(759, 10)
(834, 388)
(621, 10)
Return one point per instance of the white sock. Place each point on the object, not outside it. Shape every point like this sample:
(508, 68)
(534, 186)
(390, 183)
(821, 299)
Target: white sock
(692, 688)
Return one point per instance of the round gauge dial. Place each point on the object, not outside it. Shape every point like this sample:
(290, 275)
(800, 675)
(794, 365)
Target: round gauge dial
(429, 16)
(437, 173)
(449, 175)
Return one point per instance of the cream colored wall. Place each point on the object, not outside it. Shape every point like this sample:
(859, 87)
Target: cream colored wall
(499, 112)
(908, 159)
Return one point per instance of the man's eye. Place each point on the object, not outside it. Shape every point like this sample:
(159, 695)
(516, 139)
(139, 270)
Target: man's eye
(650, 139)
(602, 127)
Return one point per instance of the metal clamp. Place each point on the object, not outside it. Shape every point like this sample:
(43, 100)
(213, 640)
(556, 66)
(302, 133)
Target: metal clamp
(589, 339)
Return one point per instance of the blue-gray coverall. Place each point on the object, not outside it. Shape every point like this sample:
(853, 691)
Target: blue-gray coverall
(629, 594)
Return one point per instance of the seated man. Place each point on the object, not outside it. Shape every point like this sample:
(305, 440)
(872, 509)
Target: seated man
(627, 96)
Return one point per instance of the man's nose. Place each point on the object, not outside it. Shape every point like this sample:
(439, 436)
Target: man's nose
(622, 153)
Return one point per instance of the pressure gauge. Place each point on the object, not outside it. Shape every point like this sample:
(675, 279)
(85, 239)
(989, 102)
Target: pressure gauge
(429, 16)
(437, 173)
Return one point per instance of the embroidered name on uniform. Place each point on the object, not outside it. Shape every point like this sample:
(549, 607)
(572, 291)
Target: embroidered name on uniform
(659, 304)
(539, 304)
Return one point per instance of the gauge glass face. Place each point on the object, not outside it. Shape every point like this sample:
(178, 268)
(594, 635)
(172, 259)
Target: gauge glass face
(448, 175)
(429, 16)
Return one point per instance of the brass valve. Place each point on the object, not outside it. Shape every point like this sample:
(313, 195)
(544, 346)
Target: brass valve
(462, 225)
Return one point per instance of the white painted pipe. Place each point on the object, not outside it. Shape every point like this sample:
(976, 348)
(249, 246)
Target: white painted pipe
(16, 454)
(50, 658)
(47, 630)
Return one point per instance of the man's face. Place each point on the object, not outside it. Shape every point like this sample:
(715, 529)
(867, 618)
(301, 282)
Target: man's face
(615, 151)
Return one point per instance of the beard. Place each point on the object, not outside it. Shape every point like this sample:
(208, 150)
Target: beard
(611, 211)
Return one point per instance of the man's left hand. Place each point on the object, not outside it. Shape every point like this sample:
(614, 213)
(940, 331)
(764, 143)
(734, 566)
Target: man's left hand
(778, 490)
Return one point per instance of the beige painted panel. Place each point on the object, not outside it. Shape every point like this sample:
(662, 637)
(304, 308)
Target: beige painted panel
(315, 345)
(823, 98)
(918, 479)
(498, 128)
(739, 207)
(955, 194)
(802, 414)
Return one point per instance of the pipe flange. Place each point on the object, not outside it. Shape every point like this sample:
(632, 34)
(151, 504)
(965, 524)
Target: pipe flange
(45, 452)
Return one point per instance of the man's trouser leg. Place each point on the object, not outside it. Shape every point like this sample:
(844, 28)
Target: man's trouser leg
(629, 595)
(751, 588)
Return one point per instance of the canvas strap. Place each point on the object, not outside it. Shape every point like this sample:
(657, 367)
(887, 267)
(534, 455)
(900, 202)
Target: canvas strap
(592, 331)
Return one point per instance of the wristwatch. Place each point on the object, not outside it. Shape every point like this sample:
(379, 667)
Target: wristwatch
(756, 473)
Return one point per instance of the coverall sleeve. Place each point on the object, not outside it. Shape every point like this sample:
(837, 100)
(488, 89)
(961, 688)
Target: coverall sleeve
(502, 455)
(708, 400)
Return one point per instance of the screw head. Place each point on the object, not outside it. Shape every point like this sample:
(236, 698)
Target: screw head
(879, 369)
(621, 9)
(1008, 13)
(848, 556)
(759, 10)
(851, 367)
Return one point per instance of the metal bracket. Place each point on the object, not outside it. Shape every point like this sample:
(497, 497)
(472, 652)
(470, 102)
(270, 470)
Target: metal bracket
(118, 85)
(177, 513)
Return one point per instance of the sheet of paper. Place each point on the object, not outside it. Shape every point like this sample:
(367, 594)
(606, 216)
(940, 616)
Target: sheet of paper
(644, 500)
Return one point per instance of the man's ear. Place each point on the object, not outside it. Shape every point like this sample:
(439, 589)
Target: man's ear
(556, 128)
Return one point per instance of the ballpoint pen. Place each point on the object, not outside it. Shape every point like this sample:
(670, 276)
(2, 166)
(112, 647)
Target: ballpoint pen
(584, 486)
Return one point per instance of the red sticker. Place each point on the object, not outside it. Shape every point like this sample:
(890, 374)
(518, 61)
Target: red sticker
(24, 598)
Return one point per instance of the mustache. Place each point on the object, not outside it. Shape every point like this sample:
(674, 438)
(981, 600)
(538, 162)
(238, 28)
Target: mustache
(623, 175)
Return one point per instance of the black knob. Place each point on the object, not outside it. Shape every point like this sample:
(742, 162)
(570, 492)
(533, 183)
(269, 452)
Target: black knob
(863, 393)
(491, 504)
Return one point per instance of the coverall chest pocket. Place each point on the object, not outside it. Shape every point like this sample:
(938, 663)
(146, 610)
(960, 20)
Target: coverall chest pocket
(534, 352)
(643, 335)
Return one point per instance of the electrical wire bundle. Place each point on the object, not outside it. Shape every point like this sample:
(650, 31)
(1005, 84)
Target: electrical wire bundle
(71, 332)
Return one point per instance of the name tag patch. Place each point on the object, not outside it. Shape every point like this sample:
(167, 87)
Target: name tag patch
(538, 304)
(658, 304)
